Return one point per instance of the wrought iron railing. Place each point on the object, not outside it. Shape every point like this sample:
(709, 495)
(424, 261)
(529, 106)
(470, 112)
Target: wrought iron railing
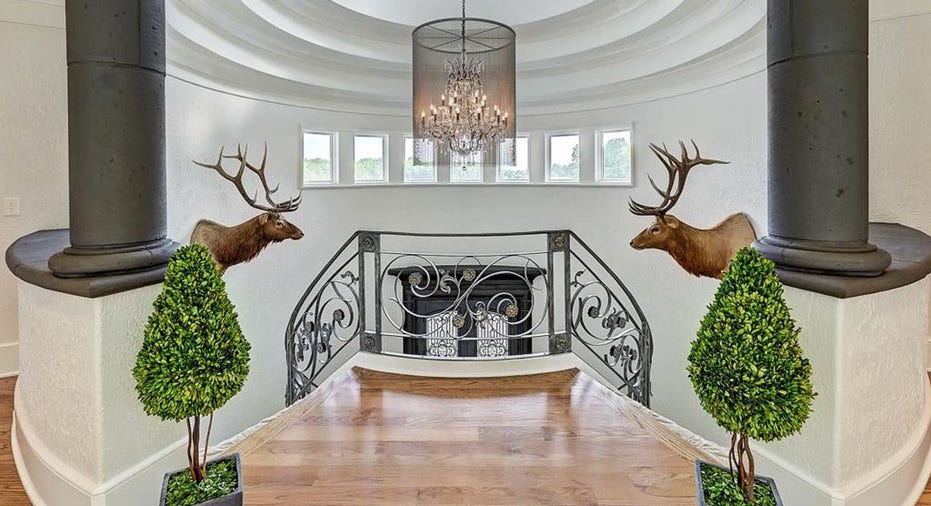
(510, 295)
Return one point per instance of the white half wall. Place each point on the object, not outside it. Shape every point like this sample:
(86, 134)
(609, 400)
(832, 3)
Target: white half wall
(81, 436)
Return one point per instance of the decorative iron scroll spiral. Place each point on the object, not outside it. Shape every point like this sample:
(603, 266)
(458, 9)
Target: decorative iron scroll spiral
(428, 280)
(330, 320)
(599, 319)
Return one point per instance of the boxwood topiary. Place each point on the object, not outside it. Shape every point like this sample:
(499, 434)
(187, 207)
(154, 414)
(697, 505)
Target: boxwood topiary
(194, 357)
(746, 364)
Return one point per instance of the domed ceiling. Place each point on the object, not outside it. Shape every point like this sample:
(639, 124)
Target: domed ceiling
(572, 55)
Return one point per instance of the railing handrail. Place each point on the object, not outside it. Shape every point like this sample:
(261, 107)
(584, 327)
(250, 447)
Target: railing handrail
(629, 360)
(463, 234)
(613, 275)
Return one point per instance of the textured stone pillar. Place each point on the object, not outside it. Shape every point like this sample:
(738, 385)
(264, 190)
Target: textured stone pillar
(819, 138)
(116, 138)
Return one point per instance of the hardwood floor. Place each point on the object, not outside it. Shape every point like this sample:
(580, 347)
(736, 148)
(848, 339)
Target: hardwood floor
(542, 439)
(386, 439)
(11, 491)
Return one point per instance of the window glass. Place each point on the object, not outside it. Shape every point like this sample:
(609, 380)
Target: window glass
(615, 156)
(318, 158)
(369, 158)
(563, 157)
(424, 172)
(520, 171)
(465, 170)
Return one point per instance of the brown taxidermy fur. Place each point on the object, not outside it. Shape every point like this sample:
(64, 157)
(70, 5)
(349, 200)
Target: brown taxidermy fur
(241, 243)
(699, 251)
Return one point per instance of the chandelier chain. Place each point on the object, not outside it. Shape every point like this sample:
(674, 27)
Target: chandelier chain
(464, 123)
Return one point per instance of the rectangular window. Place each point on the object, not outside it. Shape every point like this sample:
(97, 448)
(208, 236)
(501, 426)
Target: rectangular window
(425, 171)
(370, 155)
(562, 158)
(466, 170)
(319, 166)
(614, 156)
(520, 171)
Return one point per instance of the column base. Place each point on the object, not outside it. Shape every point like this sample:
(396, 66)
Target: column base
(77, 262)
(29, 257)
(822, 257)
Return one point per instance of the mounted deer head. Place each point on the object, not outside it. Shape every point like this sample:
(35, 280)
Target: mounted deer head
(243, 242)
(700, 252)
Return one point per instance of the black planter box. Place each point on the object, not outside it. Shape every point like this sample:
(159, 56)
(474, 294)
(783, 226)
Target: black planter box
(232, 499)
(700, 489)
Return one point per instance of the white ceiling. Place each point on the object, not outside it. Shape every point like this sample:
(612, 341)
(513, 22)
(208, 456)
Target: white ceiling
(354, 55)
(416, 12)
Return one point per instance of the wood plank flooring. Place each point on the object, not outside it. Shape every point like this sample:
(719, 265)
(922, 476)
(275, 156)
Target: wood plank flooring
(364, 447)
(542, 439)
(11, 490)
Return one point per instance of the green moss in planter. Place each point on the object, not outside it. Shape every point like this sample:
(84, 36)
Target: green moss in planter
(220, 480)
(721, 489)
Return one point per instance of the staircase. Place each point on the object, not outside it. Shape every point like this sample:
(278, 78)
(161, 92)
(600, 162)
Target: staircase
(468, 298)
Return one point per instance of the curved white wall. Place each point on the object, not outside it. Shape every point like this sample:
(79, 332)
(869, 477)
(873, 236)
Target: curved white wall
(200, 121)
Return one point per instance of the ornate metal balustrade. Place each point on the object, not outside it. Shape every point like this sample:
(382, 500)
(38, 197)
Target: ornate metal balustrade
(468, 297)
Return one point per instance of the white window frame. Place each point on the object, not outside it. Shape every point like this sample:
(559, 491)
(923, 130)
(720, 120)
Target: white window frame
(404, 164)
(599, 156)
(334, 159)
(498, 166)
(547, 147)
(384, 156)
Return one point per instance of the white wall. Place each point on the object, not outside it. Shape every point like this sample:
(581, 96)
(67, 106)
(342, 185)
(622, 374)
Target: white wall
(33, 143)
(200, 121)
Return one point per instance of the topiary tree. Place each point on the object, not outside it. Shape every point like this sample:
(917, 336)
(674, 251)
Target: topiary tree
(746, 364)
(194, 357)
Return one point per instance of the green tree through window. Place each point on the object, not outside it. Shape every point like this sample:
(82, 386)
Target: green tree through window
(615, 164)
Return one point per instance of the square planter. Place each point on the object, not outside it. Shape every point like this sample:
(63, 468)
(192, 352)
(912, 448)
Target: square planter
(234, 498)
(700, 489)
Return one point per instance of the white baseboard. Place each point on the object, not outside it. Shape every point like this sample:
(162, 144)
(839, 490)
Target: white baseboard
(9, 360)
(897, 481)
(463, 368)
(49, 481)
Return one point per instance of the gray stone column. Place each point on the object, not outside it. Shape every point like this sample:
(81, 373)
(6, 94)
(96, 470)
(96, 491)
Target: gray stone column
(819, 138)
(116, 138)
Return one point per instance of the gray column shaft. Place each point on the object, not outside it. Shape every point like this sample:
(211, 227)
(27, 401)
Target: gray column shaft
(116, 137)
(819, 138)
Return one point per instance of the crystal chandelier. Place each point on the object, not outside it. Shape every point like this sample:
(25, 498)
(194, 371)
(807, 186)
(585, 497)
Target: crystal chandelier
(466, 118)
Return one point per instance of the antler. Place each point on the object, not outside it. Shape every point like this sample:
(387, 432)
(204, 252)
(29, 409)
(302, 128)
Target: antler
(678, 171)
(273, 207)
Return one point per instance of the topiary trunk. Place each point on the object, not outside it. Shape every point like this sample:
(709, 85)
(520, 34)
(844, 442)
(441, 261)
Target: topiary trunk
(741, 459)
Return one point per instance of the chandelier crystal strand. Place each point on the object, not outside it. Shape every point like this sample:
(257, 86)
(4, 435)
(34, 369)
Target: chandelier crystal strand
(462, 122)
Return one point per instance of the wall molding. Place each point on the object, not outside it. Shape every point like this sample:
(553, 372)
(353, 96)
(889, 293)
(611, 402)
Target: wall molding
(9, 360)
(49, 481)
(884, 10)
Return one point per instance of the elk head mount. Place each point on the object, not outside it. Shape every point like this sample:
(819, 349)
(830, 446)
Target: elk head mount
(700, 252)
(241, 243)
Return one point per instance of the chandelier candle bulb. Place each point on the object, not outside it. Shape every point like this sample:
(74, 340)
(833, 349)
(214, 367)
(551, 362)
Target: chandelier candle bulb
(467, 62)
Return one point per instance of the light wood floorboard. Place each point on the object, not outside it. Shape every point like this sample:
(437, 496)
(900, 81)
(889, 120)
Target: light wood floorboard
(555, 448)
(542, 439)
(11, 490)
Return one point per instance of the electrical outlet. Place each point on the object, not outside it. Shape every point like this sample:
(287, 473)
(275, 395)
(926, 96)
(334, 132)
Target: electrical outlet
(11, 206)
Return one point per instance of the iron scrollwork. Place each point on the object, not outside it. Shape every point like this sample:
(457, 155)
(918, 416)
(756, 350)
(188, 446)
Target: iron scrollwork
(494, 300)
(330, 321)
(601, 321)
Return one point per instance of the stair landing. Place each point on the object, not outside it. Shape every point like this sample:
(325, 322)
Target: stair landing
(376, 438)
